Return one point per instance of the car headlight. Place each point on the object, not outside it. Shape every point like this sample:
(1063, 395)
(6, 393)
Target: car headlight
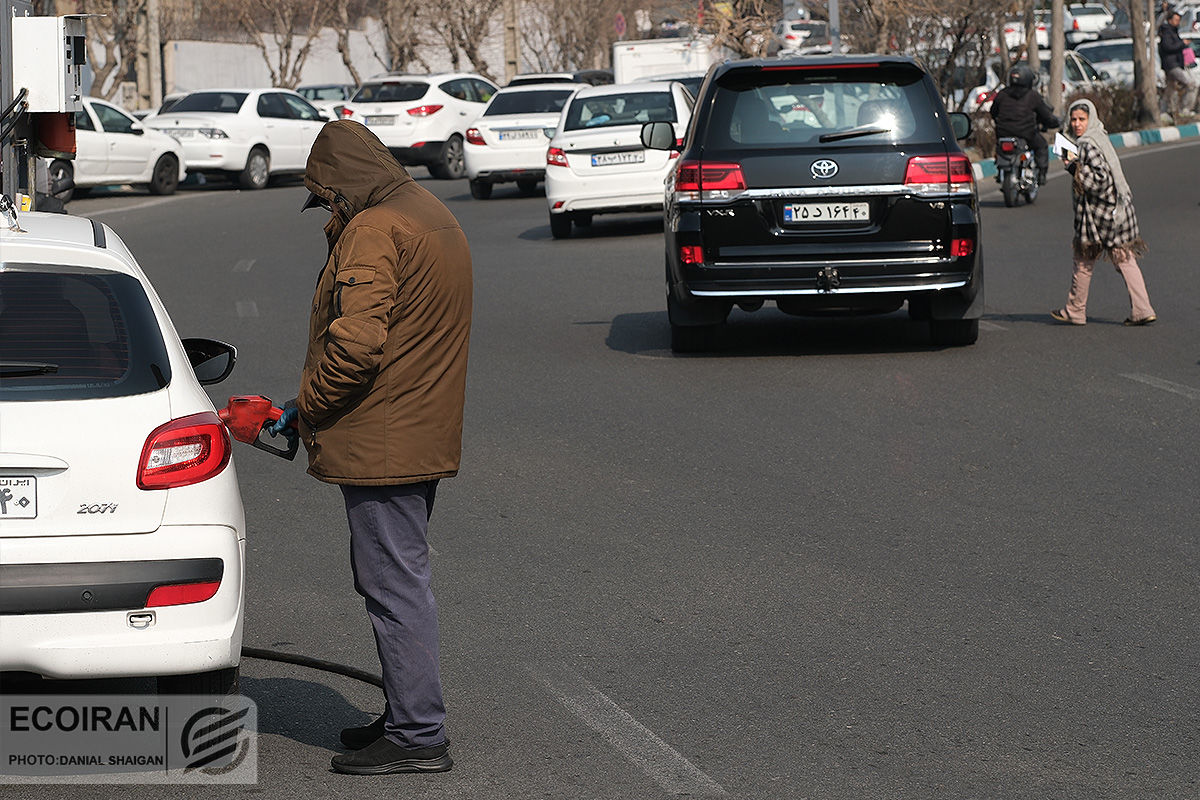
(213, 133)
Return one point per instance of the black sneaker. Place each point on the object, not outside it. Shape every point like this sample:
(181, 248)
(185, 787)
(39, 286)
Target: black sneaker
(384, 757)
(358, 738)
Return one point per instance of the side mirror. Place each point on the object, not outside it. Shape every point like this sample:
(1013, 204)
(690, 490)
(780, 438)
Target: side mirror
(658, 136)
(137, 130)
(1104, 76)
(324, 117)
(961, 124)
(212, 361)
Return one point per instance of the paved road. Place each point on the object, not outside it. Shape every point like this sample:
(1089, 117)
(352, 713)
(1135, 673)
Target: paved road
(830, 562)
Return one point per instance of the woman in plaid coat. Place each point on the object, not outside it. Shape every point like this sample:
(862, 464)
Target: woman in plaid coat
(1105, 222)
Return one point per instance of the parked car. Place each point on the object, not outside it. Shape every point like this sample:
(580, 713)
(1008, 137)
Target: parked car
(690, 80)
(791, 34)
(122, 536)
(824, 184)
(1086, 21)
(592, 77)
(1114, 57)
(421, 118)
(508, 141)
(1078, 75)
(248, 135)
(167, 104)
(1014, 34)
(327, 98)
(113, 148)
(596, 163)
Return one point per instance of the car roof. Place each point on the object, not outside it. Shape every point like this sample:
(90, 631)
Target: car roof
(541, 87)
(65, 239)
(821, 60)
(623, 88)
(671, 76)
(430, 77)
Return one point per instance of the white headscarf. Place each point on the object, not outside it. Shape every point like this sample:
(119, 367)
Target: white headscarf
(1098, 137)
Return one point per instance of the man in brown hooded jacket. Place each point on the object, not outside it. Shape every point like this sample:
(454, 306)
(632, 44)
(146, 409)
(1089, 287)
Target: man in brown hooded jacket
(380, 411)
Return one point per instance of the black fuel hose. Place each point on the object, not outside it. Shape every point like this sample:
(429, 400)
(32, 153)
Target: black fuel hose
(313, 663)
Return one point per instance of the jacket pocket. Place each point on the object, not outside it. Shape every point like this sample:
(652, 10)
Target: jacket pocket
(349, 277)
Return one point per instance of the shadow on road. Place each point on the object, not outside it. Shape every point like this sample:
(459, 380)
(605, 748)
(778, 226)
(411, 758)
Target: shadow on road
(773, 333)
(602, 228)
(304, 711)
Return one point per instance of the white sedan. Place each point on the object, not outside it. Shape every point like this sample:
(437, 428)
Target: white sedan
(508, 141)
(596, 163)
(113, 148)
(122, 537)
(246, 134)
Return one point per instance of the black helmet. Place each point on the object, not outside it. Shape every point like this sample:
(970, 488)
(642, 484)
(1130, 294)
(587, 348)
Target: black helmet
(1021, 75)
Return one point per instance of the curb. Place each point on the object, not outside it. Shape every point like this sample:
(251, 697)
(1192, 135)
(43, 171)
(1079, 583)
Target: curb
(987, 167)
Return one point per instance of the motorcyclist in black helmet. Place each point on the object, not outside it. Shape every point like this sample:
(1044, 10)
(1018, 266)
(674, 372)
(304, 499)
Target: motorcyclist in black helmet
(1019, 111)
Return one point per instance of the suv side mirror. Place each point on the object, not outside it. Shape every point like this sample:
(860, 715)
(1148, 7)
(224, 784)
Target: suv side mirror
(961, 124)
(658, 136)
(212, 361)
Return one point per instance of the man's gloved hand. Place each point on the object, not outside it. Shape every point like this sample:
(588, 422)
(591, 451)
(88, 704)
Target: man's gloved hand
(286, 424)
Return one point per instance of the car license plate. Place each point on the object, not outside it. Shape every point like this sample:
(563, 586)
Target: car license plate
(181, 133)
(384, 119)
(627, 157)
(510, 136)
(827, 212)
(18, 497)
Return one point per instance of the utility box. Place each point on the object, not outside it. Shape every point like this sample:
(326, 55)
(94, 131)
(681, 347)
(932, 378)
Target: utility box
(48, 55)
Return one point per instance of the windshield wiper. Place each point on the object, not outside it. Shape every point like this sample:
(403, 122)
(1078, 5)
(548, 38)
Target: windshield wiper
(25, 369)
(852, 133)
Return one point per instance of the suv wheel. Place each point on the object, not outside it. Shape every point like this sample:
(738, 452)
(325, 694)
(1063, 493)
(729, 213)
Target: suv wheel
(165, 177)
(953, 332)
(480, 190)
(217, 682)
(527, 187)
(560, 226)
(257, 170)
(450, 164)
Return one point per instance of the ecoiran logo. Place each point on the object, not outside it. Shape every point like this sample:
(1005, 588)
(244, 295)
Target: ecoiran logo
(132, 739)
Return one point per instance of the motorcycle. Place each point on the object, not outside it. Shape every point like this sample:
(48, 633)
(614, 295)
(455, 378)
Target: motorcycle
(1015, 170)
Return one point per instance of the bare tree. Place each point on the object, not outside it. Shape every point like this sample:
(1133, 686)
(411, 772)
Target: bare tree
(1144, 79)
(742, 26)
(569, 34)
(462, 26)
(115, 34)
(399, 20)
(345, 13)
(282, 22)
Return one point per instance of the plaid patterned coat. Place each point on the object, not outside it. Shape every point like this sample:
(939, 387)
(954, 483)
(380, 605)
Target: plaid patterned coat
(1103, 220)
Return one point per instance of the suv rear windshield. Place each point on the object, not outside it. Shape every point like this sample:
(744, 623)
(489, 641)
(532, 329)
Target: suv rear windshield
(783, 108)
(72, 334)
(220, 102)
(549, 101)
(390, 92)
(609, 110)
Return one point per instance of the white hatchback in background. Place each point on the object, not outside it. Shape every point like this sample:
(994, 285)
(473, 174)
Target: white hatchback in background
(122, 537)
(1085, 21)
(508, 141)
(245, 134)
(421, 118)
(113, 148)
(596, 163)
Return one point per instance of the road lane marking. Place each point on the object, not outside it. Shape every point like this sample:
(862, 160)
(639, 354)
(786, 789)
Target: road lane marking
(247, 308)
(1167, 386)
(665, 765)
(158, 201)
(244, 265)
(991, 326)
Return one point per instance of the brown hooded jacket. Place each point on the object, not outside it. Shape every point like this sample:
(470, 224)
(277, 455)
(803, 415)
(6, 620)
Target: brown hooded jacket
(381, 393)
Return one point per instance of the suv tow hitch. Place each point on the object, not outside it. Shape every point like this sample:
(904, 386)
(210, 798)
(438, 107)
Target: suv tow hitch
(828, 279)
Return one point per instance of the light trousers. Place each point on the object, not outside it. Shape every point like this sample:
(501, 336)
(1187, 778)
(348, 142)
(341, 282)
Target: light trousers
(1126, 264)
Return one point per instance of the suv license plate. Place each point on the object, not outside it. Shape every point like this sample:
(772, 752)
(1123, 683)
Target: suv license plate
(827, 212)
(387, 119)
(508, 136)
(628, 157)
(18, 497)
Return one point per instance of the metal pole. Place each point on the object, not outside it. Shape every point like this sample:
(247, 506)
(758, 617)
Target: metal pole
(14, 164)
(835, 27)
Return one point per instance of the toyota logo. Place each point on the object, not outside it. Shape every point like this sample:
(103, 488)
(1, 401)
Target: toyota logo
(824, 168)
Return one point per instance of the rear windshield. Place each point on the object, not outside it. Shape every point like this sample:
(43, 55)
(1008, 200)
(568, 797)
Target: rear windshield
(67, 334)
(322, 92)
(220, 102)
(784, 108)
(548, 101)
(391, 92)
(1108, 52)
(609, 110)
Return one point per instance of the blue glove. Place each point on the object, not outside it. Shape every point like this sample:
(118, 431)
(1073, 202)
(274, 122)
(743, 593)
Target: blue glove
(286, 424)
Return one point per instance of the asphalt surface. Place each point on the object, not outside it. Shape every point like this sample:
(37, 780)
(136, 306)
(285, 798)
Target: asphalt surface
(832, 561)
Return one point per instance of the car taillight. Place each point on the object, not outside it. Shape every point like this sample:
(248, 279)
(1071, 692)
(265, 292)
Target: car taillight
(691, 254)
(708, 181)
(423, 111)
(184, 451)
(1075, 24)
(555, 157)
(474, 136)
(962, 247)
(923, 170)
(347, 112)
(181, 594)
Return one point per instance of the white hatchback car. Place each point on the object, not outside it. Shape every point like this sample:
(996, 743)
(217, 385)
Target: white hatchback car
(113, 148)
(421, 118)
(596, 163)
(122, 537)
(246, 134)
(508, 141)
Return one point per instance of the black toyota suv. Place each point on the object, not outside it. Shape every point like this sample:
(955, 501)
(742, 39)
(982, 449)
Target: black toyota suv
(828, 184)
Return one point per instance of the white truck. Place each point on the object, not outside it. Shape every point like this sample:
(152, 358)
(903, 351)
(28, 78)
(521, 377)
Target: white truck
(638, 60)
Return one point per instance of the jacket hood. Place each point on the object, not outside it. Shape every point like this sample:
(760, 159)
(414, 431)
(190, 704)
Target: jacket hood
(349, 167)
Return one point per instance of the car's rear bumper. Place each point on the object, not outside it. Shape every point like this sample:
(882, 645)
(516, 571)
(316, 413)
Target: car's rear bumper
(496, 165)
(421, 153)
(213, 155)
(604, 193)
(65, 641)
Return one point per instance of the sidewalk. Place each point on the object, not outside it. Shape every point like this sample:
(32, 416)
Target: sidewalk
(987, 167)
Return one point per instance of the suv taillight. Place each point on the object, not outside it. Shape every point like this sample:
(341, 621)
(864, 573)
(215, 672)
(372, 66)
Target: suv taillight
(923, 170)
(555, 157)
(347, 112)
(474, 136)
(423, 111)
(184, 451)
(708, 181)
